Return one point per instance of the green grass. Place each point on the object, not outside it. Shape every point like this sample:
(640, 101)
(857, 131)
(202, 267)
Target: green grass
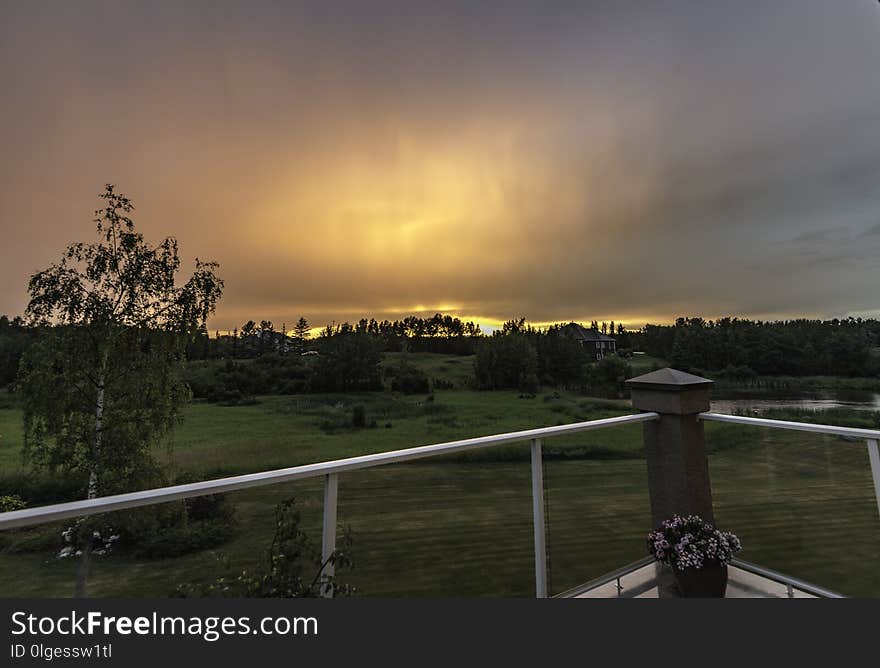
(848, 417)
(455, 369)
(798, 384)
(645, 363)
(802, 503)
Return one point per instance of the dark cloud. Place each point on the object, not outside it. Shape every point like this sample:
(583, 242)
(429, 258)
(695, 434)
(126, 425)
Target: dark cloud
(555, 160)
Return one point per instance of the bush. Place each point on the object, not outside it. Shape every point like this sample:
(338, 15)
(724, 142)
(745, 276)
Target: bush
(607, 376)
(358, 417)
(10, 502)
(293, 567)
(442, 384)
(40, 489)
(409, 379)
(173, 529)
(235, 382)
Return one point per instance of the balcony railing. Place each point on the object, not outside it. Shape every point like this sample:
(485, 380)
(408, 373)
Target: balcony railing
(330, 472)
(677, 428)
(870, 436)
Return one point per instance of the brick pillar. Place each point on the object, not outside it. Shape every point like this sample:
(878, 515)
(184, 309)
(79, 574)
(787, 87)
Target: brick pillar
(675, 448)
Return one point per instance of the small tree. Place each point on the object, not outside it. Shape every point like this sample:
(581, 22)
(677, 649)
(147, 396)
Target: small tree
(103, 382)
(301, 332)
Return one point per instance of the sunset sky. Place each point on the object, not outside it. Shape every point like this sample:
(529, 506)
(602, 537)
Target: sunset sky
(555, 160)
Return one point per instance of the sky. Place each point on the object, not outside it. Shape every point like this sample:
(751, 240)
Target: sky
(557, 161)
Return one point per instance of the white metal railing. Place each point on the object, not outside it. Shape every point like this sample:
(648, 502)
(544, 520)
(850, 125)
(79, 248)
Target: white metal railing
(330, 471)
(870, 436)
(615, 576)
(790, 583)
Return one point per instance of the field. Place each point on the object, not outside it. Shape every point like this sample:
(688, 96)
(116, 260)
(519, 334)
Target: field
(802, 503)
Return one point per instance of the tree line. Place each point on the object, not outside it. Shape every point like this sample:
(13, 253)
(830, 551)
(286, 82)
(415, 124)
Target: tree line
(440, 333)
(742, 348)
(519, 356)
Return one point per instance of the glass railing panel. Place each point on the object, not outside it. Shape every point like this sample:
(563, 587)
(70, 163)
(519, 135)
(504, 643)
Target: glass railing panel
(457, 525)
(162, 550)
(802, 504)
(598, 509)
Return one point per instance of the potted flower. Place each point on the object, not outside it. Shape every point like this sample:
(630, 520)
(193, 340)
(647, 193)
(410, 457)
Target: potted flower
(697, 552)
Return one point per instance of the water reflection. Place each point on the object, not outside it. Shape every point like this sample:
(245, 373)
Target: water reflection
(851, 399)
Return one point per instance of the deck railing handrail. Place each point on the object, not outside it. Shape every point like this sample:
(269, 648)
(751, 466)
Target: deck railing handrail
(103, 504)
(852, 432)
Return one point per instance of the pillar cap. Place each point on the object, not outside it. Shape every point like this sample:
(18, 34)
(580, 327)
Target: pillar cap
(670, 380)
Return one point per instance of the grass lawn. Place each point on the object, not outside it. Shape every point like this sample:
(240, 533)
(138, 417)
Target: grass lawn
(802, 503)
(641, 364)
(455, 369)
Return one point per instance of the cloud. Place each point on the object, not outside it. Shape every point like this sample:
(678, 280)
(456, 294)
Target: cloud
(556, 162)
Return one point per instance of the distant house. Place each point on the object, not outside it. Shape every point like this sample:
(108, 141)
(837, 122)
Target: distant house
(596, 343)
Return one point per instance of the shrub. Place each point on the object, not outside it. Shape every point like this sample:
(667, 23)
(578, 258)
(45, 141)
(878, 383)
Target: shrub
(293, 567)
(40, 489)
(358, 417)
(409, 379)
(173, 529)
(10, 502)
(607, 376)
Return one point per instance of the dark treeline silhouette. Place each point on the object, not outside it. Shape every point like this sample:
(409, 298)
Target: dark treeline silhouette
(438, 334)
(743, 348)
(15, 338)
(519, 356)
(260, 358)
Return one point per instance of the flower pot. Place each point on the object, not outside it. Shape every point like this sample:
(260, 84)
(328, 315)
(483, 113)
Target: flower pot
(710, 581)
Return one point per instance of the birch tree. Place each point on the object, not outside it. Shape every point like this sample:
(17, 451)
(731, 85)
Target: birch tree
(103, 383)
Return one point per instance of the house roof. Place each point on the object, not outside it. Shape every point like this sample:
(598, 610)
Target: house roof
(583, 334)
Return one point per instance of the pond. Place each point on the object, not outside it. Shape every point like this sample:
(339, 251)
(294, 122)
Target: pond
(758, 402)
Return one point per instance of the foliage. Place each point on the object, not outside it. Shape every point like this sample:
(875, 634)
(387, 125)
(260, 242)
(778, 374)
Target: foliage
(743, 348)
(519, 356)
(15, 338)
(10, 502)
(103, 381)
(359, 416)
(507, 361)
(606, 377)
(691, 542)
(348, 361)
(189, 526)
(39, 489)
(561, 359)
(294, 566)
(141, 397)
(236, 382)
(409, 379)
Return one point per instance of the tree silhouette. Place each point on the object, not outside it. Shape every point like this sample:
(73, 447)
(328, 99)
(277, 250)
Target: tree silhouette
(104, 382)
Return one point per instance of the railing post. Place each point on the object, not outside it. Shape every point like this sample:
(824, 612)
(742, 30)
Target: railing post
(874, 457)
(675, 449)
(328, 539)
(538, 520)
